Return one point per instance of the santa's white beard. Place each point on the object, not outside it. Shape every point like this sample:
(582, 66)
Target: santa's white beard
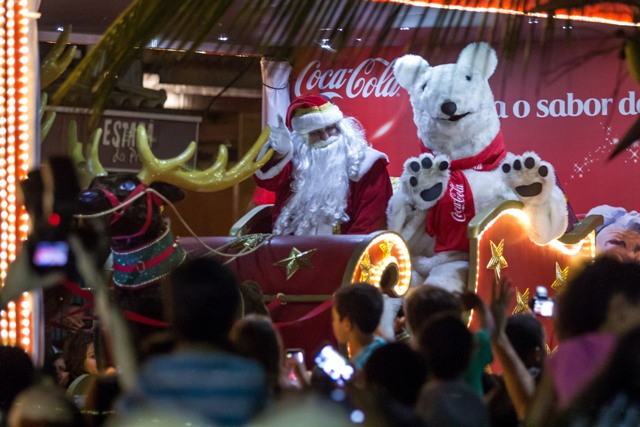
(320, 190)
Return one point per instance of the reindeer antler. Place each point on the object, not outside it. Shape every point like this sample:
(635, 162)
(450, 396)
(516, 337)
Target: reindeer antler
(215, 178)
(89, 167)
(57, 60)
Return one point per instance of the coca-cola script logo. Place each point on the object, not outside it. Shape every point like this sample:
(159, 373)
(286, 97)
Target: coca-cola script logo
(456, 192)
(364, 80)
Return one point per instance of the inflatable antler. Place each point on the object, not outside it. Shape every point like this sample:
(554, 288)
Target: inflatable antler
(87, 167)
(215, 178)
(57, 60)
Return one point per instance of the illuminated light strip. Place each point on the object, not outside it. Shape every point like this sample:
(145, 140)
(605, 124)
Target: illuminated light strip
(503, 11)
(399, 255)
(16, 325)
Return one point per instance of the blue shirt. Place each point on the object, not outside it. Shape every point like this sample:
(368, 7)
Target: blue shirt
(222, 388)
(360, 358)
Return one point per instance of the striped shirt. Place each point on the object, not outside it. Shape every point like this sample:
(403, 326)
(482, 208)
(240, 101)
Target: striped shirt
(224, 389)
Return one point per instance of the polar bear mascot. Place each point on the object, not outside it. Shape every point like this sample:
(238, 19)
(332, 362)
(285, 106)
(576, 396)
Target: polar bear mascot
(464, 168)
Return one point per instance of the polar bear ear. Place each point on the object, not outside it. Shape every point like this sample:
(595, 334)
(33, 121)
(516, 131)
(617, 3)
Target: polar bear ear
(479, 56)
(408, 68)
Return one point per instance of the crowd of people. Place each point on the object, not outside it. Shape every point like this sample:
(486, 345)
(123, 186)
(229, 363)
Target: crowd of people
(219, 369)
(216, 365)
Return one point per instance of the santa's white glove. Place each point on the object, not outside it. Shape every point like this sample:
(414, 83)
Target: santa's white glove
(280, 139)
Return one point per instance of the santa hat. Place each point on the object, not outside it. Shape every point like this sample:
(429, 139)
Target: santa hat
(312, 112)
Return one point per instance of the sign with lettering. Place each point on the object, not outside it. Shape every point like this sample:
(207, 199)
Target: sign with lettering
(168, 135)
(570, 104)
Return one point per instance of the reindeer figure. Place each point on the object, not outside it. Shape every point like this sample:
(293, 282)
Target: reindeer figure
(143, 248)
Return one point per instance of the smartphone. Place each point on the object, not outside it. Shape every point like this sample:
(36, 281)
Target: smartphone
(543, 307)
(52, 255)
(297, 354)
(334, 364)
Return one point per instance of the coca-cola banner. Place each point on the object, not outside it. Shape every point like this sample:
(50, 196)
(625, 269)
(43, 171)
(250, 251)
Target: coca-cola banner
(570, 106)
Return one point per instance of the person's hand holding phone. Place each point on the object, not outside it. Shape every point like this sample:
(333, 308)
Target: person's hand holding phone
(296, 375)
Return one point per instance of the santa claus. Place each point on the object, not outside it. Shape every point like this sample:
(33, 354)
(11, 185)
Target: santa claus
(326, 177)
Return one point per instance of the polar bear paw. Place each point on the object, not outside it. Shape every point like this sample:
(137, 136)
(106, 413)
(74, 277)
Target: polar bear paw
(529, 177)
(425, 179)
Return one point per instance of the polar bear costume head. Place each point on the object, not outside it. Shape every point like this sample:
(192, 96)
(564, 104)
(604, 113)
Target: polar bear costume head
(453, 105)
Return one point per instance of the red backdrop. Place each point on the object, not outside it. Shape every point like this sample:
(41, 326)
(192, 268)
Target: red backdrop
(569, 107)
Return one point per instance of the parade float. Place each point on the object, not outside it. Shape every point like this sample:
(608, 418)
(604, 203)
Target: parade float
(286, 266)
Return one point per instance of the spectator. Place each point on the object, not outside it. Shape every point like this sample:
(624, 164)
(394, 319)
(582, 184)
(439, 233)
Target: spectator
(613, 397)
(356, 313)
(446, 400)
(255, 337)
(599, 304)
(519, 344)
(326, 177)
(16, 374)
(44, 406)
(55, 368)
(425, 302)
(398, 371)
(80, 356)
(201, 376)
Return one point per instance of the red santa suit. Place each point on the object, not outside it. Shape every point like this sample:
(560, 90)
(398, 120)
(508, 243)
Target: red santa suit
(368, 195)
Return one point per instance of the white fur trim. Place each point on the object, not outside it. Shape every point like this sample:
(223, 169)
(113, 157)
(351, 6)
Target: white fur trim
(370, 157)
(275, 169)
(317, 119)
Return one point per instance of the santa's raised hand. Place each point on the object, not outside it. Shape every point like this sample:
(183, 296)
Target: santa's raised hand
(280, 139)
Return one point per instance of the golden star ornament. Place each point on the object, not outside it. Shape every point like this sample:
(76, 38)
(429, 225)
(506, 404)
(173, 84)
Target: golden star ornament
(522, 301)
(296, 260)
(561, 278)
(497, 261)
(365, 268)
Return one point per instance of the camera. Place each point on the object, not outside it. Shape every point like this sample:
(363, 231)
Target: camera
(50, 197)
(541, 304)
(334, 365)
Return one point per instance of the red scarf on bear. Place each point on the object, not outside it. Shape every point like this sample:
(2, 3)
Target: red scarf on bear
(449, 218)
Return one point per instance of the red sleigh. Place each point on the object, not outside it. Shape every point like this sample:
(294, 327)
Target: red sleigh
(299, 274)
(499, 244)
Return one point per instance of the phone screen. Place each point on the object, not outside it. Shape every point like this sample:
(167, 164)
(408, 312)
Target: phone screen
(296, 353)
(334, 364)
(51, 254)
(543, 307)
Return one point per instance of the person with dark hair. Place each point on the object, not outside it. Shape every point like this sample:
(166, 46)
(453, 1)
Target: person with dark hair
(201, 376)
(526, 334)
(446, 400)
(79, 355)
(601, 303)
(356, 313)
(425, 302)
(518, 342)
(398, 371)
(255, 337)
(16, 374)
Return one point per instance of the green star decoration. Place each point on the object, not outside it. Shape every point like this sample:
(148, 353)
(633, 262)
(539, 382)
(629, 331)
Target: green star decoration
(295, 261)
(561, 278)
